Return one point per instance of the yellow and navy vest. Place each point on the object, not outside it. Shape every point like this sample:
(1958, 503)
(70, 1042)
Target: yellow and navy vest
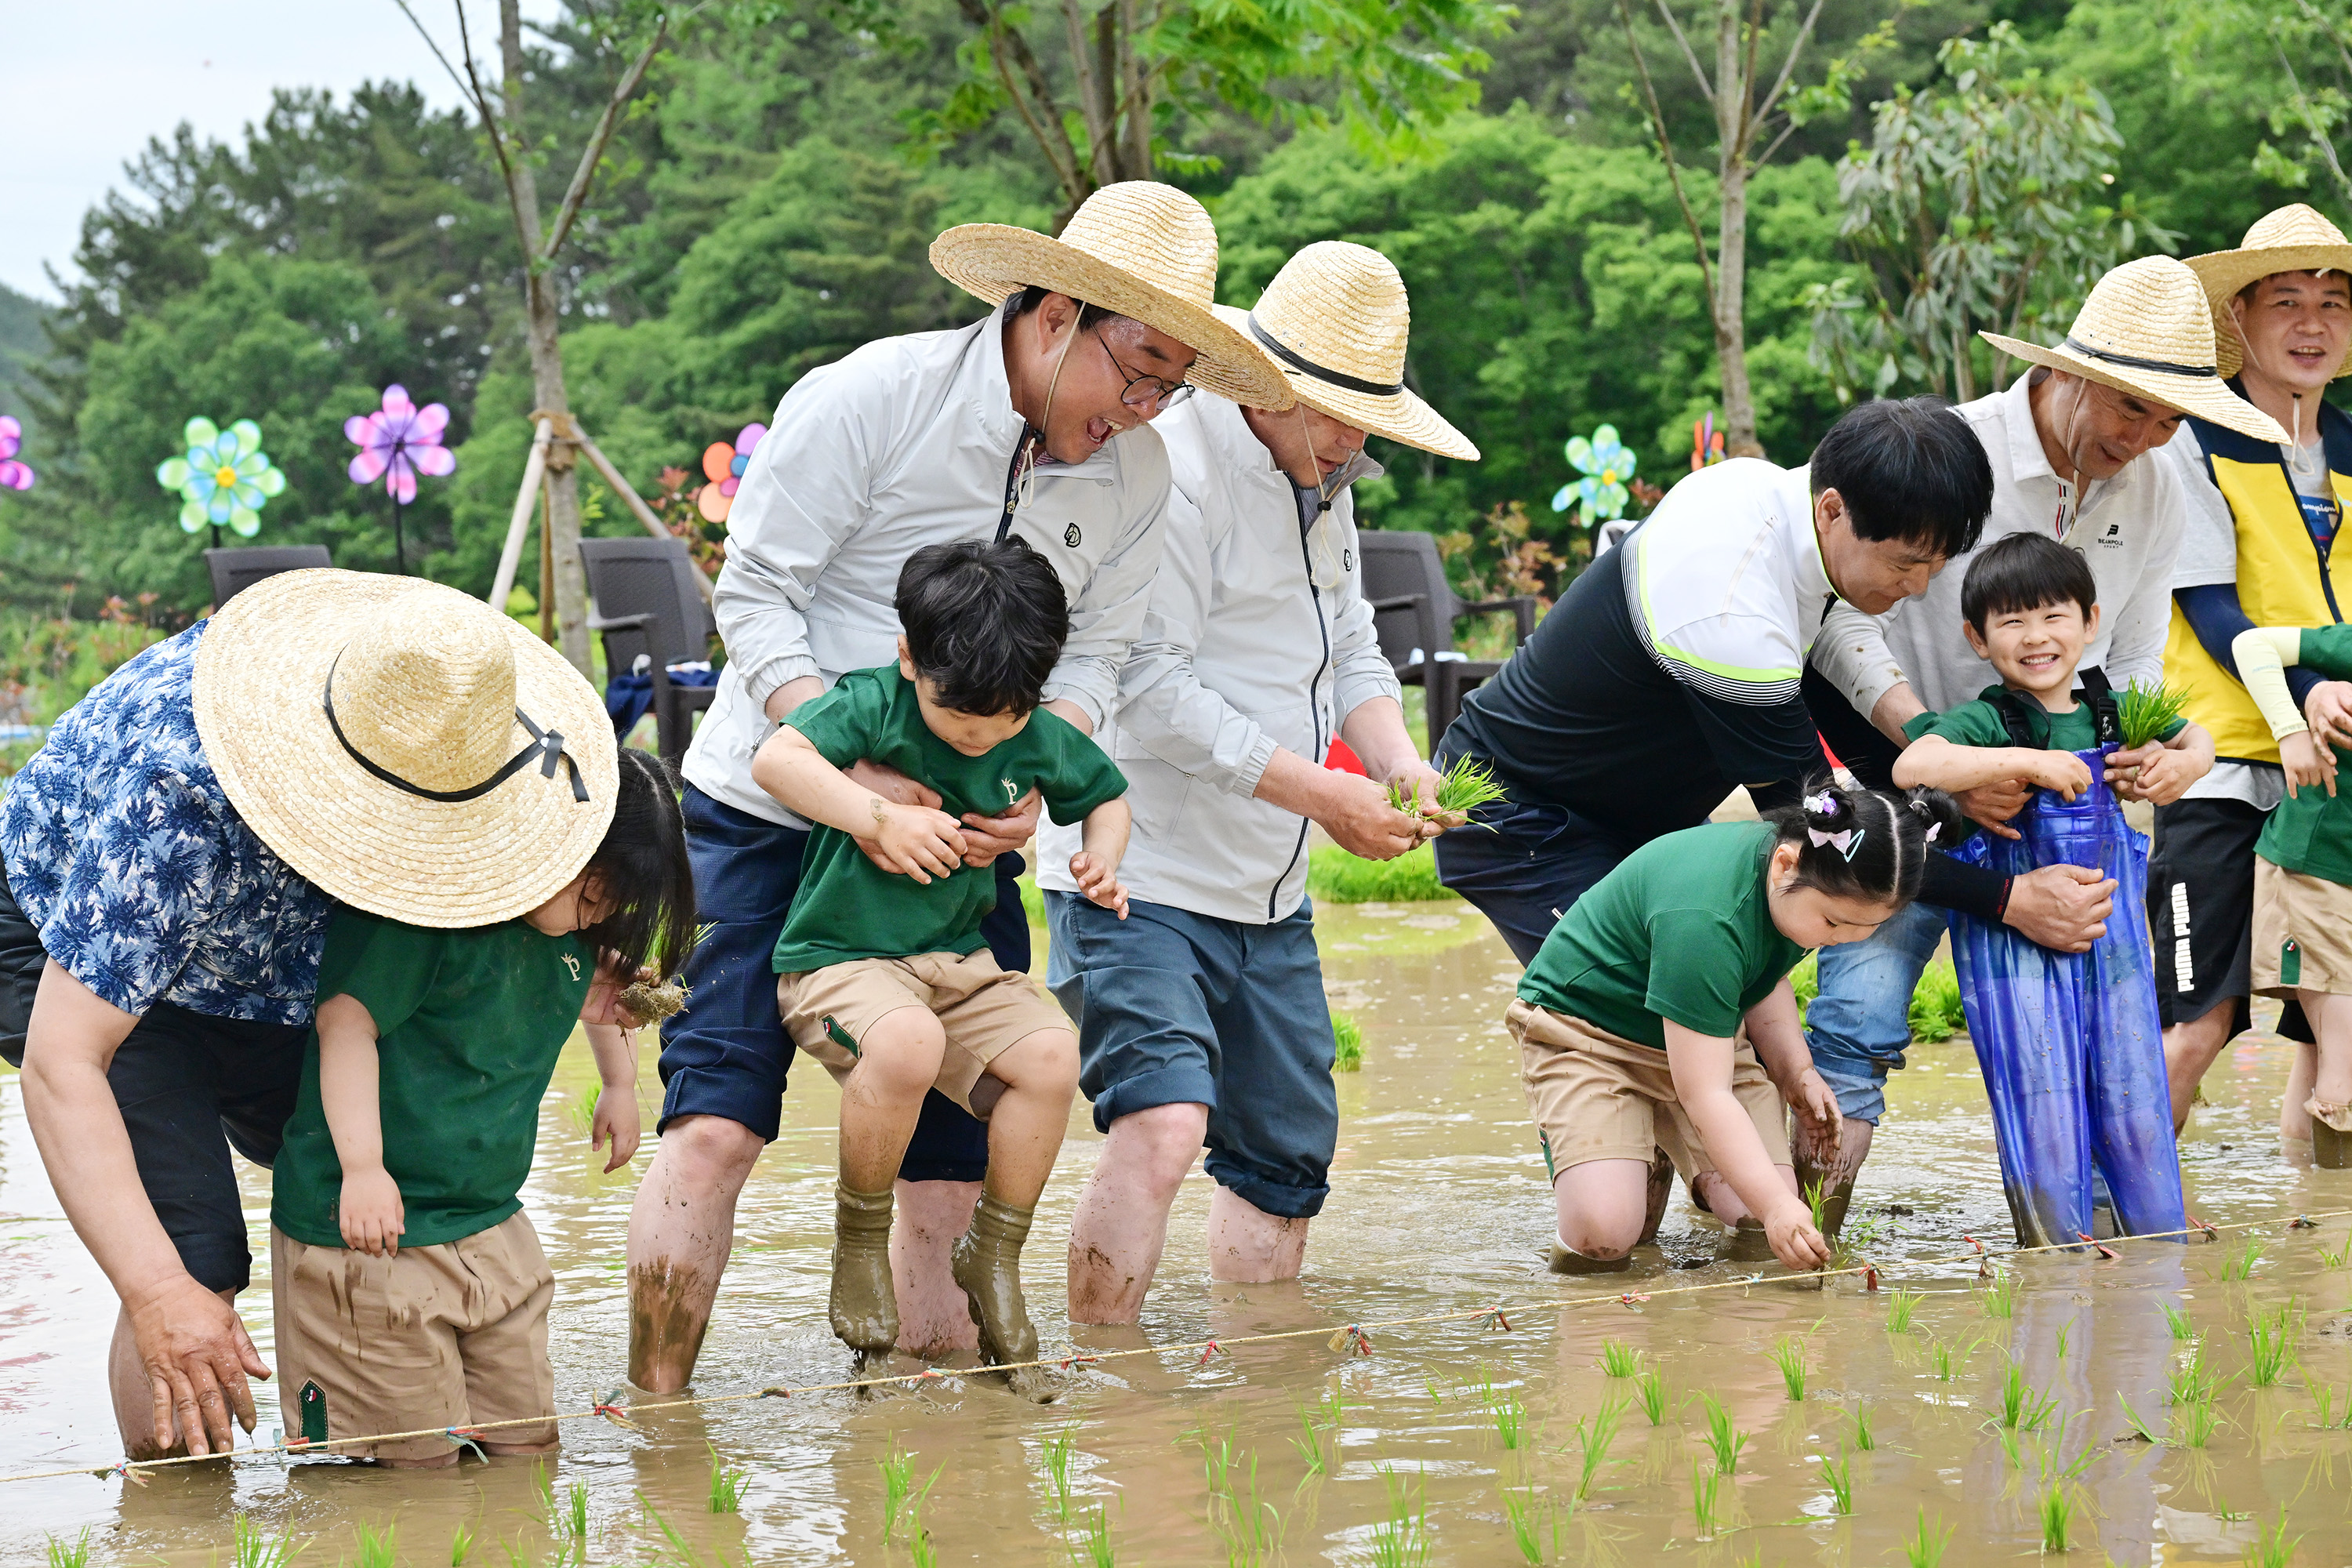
(2286, 575)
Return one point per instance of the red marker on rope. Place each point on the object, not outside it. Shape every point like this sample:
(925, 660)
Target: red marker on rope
(1495, 1320)
(611, 1409)
(1213, 1348)
(2102, 1251)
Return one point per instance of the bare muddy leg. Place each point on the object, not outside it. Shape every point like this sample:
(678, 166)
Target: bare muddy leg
(1248, 1246)
(1120, 1227)
(2189, 1051)
(1602, 1207)
(933, 1319)
(680, 1231)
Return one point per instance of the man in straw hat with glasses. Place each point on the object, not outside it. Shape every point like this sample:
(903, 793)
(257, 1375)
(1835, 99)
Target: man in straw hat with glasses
(2070, 444)
(2258, 549)
(173, 853)
(1201, 1015)
(1028, 423)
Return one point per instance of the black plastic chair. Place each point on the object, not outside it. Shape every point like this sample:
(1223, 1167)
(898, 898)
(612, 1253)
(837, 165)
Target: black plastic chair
(235, 571)
(646, 604)
(1415, 609)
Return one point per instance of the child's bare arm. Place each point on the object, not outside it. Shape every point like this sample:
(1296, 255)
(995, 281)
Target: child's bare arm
(1933, 762)
(913, 840)
(1778, 1032)
(616, 1104)
(1095, 868)
(1701, 1066)
(370, 1212)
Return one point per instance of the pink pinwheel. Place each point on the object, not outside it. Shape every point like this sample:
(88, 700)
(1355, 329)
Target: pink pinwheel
(401, 440)
(723, 466)
(14, 475)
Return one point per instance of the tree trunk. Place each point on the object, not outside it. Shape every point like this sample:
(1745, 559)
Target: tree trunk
(543, 321)
(1735, 91)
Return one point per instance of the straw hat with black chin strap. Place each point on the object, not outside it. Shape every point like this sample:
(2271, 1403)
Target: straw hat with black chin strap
(2148, 329)
(1335, 319)
(405, 747)
(2294, 238)
(1138, 249)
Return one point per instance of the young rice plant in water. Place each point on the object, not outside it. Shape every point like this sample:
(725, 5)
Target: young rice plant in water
(2057, 1516)
(1725, 1439)
(1401, 1539)
(726, 1486)
(1838, 1475)
(1651, 1390)
(1347, 1043)
(1788, 1353)
(1925, 1546)
(1618, 1359)
(1900, 1307)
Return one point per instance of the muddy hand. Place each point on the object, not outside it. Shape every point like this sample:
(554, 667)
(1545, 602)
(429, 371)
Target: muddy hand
(987, 1264)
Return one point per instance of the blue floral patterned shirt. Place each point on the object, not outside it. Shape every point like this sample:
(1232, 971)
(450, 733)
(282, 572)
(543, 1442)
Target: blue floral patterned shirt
(142, 880)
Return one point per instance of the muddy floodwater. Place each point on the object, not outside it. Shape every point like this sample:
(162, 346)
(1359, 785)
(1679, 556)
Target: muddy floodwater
(1451, 1443)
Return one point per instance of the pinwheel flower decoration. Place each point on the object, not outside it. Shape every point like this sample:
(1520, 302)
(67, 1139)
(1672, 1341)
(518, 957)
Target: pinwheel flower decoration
(14, 475)
(398, 442)
(225, 477)
(723, 466)
(1706, 443)
(1606, 464)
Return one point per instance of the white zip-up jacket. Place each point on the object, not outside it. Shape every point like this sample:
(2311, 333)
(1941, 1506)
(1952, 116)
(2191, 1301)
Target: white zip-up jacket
(908, 442)
(1257, 637)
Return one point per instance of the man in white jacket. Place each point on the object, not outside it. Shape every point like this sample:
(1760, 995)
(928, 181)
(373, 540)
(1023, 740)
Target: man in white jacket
(1202, 1017)
(1006, 426)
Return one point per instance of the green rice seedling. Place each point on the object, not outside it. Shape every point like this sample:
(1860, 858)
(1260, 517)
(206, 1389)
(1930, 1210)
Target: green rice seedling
(1252, 1527)
(74, 1553)
(726, 1486)
(2182, 1329)
(543, 1481)
(1401, 1539)
(1900, 1306)
(2272, 1547)
(1943, 1356)
(2195, 1421)
(2065, 1331)
(1056, 1450)
(2009, 1449)
(2000, 1296)
(1465, 786)
(1429, 1386)
(1725, 1439)
(2057, 1516)
(2270, 1339)
(575, 1509)
(2022, 1406)
(1593, 1435)
(921, 1550)
(1309, 1444)
(580, 1112)
(2325, 1396)
(1511, 1414)
(2146, 712)
(377, 1551)
(898, 1485)
(250, 1548)
(1838, 1475)
(2335, 1260)
(1650, 1389)
(1864, 1438)
(2138, 1425)
(1527, 1518)
(1100, 1551)
(2241, 1267)
(2192, 1380)
(1788, 1353)
(679, 1547)
(1618, 1359)
(1706, 1490)
(461, 1546)
(1347, 1043)
(1936, 1011)
(1925, 1548)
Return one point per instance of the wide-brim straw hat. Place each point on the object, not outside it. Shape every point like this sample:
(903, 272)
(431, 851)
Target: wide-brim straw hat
(2294, 238)
(1335, 319)
(1138, 249)
(405, 747)
(2148, 329)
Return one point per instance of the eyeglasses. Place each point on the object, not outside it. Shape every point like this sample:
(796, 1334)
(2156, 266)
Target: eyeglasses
(1143, 391)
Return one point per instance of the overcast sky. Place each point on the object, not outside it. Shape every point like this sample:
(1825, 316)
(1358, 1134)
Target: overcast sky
(88, 81)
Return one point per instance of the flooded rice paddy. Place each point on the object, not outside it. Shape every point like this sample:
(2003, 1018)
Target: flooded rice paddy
(1999, 1415)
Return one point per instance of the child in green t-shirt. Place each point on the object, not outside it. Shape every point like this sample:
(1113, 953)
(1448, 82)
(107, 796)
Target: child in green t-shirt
(883, 975)
(2303, 884)
(409, 1290)
(2032, 607)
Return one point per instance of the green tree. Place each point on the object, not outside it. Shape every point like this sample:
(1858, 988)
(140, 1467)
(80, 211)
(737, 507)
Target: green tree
(1981, 203)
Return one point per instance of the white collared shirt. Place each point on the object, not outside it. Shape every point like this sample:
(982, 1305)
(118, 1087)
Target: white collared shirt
(2128, 528)
(907, 442)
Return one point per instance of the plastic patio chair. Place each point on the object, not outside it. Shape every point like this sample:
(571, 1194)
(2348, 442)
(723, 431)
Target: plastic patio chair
(234, 570)
(1415, 609)
(646, 604)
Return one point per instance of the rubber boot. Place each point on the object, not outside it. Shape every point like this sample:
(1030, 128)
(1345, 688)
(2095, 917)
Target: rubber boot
(987, 1264)
(2331, 1134)
(864, 1304)
(1563, 1261)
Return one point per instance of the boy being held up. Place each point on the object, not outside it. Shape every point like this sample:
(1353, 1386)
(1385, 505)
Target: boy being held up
(2032, 607)
(884, 975)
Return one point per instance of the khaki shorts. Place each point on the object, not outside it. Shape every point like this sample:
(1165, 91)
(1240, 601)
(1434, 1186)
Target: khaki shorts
(432, 1337)
(984, 1008)
(2302, 933)
(1596, 1096)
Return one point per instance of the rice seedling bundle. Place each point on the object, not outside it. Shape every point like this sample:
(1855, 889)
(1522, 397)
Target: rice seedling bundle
(1464, 788)
(2148, 712)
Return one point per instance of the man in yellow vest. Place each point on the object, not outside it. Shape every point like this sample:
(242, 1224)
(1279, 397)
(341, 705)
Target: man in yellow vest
(2259, 549)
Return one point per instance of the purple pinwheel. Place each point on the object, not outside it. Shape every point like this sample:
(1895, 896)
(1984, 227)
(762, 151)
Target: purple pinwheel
(14, 475)
(397, 443)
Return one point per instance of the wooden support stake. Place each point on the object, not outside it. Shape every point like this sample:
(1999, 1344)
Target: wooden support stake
(622, 488)
(511, 555)
(547, 559)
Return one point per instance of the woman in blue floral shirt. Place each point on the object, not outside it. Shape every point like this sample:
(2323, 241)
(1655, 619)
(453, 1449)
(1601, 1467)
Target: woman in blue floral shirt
(158, 952)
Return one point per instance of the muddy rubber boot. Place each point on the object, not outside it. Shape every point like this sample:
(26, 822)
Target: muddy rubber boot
(865, 1303)
(987, 1264)
(1748, 1243)
(2331, 1134)
(1563, 1261)
(1662, 1188)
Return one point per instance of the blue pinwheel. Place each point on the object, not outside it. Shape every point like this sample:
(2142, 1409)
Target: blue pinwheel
(224, 478)
(1606, 463)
